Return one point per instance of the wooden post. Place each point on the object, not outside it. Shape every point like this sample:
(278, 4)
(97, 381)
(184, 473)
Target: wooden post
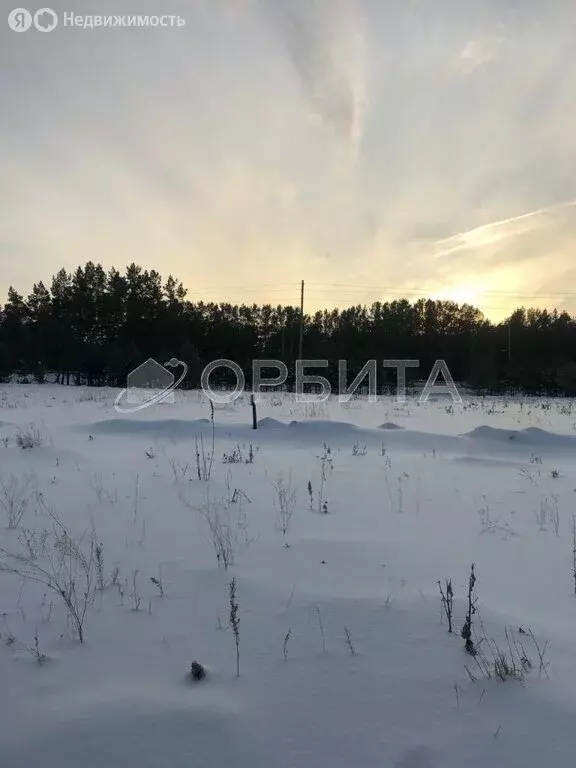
(254, 417)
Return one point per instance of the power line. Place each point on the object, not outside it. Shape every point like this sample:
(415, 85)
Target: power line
(301, 332)
(344, 289)
(387, 289)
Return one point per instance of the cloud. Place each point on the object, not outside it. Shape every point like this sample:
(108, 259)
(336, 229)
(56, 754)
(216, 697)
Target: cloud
(492, 233)
(326, 42)
(478, 54)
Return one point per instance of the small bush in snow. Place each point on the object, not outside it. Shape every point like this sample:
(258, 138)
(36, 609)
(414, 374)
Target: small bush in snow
(240, 454)
(197, 671)
(29, 438)
(511, 662)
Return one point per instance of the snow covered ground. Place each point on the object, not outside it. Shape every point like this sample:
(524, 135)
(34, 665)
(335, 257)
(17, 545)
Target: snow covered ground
(489, 482)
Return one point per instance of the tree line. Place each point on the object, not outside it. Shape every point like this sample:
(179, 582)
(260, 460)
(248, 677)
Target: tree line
(93, 326)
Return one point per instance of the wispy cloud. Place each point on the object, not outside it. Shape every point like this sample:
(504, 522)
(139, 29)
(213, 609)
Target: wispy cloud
(326, 42)
(492, 233)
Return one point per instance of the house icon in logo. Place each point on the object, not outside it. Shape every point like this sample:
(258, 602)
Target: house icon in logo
(147, 383)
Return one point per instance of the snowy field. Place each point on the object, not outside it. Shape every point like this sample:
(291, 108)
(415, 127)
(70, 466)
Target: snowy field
(345, 658)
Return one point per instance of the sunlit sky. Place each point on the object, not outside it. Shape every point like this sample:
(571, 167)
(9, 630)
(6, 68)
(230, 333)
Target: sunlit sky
(373, 148)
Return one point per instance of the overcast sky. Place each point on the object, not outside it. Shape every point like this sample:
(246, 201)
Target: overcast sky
(373, 148)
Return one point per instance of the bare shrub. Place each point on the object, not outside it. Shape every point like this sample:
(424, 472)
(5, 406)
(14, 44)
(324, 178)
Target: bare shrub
(97, 484)
(316, 610)
(67, 568)
(158, 582)
(34, 650)
(489, 525)
(542, 514)
(34, 541)
(511, 661)
(238, 495)
(554, 513)
(135, 595)
(466, 632)
(240, 454)
(287, 637)
(531, 477)
(136, 498)
(326, 467)
(400, 495)
(219, 529)
(204, 459)
(179, 470)
(314, 410)
(234, 621)
(15, 497)
(99, 555)
(284, 503)
(447, 599)
(349, 642)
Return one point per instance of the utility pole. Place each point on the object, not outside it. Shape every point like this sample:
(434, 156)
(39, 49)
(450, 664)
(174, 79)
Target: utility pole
(301, 339)
(509, 342)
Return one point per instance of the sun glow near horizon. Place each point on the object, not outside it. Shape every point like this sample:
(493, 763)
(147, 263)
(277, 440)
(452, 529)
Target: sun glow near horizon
(362, 142)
